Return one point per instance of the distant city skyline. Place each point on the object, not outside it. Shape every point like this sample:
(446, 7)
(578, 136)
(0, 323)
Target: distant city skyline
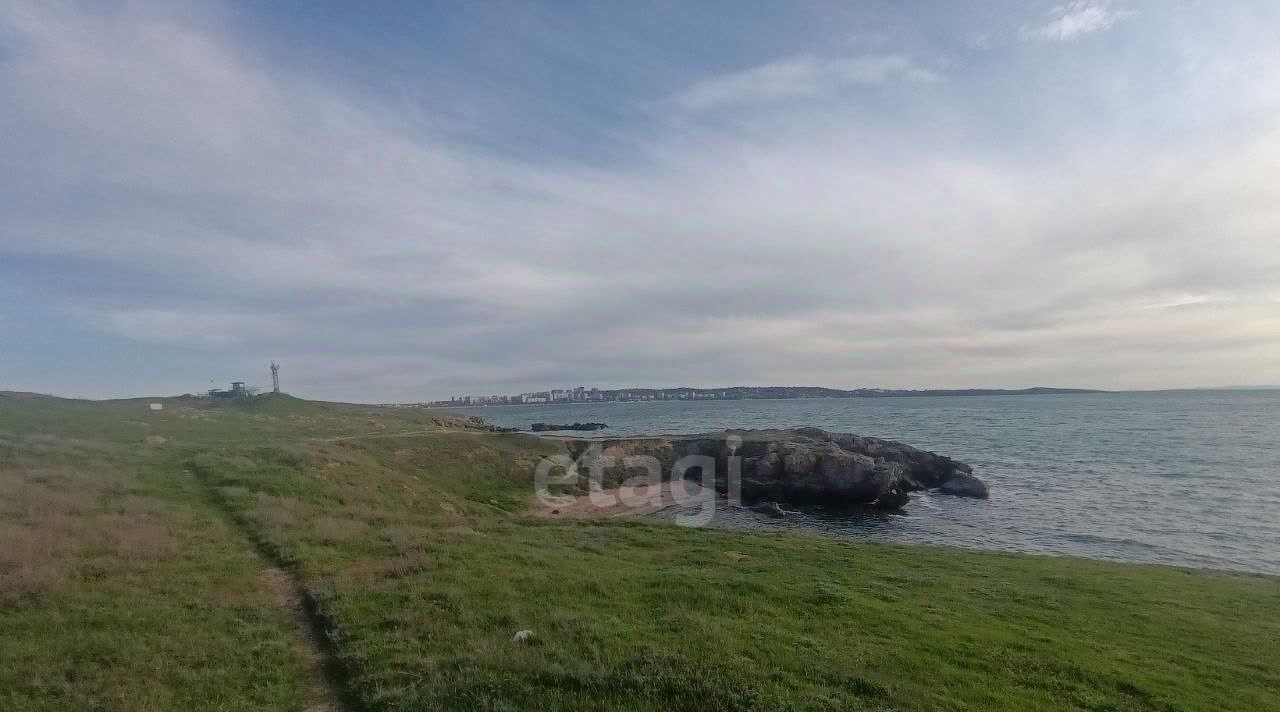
(582, 394)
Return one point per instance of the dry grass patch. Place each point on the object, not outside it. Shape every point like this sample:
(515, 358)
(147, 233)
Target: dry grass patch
(60, 524)
(28, 562)
(336, 530)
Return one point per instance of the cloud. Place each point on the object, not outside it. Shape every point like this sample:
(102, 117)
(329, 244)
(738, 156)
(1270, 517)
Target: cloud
(979, 41)
(164, 182)
(1075, 19)
(800, 77)
(189, 327)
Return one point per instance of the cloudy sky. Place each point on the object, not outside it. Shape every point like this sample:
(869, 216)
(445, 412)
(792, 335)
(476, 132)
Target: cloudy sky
(412, 200)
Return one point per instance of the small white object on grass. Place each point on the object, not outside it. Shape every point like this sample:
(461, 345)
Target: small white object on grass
(157, 406)
(522, 636)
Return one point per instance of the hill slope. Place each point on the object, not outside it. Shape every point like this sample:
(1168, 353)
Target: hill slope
(402, 542)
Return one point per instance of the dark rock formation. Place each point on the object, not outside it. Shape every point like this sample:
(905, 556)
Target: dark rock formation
(963, 484)
(803, 466)
(893, 499)
(550, 427)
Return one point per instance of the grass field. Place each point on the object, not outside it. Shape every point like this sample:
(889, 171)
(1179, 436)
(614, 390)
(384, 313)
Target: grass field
(289, 555)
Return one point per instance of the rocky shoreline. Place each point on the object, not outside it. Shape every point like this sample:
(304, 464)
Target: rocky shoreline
(794, 466)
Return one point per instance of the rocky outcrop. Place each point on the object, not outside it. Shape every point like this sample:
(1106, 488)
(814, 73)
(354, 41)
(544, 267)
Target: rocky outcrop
(963, 484)
(552, 427)
(803, 466)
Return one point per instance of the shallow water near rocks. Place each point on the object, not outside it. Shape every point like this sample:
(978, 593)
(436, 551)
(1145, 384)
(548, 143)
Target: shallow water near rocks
(1186, 478)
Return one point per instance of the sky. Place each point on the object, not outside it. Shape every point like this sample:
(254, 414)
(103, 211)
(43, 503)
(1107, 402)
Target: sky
(403, 201)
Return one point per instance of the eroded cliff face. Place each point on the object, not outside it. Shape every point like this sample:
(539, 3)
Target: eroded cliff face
(803, 466)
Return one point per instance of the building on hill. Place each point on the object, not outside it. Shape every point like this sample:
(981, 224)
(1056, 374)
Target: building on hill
(238, 390)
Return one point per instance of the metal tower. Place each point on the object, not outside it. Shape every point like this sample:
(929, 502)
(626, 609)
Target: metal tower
(275, 377)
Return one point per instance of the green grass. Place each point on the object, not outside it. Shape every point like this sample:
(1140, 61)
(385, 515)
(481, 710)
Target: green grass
(118, 592)
(407, 537)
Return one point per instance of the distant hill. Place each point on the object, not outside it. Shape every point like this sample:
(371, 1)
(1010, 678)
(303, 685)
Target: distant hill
(22, 395)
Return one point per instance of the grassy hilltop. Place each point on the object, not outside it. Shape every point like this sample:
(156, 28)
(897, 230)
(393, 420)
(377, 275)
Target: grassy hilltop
(280, 554)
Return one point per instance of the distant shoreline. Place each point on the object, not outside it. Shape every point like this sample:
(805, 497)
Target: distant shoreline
(803, 393)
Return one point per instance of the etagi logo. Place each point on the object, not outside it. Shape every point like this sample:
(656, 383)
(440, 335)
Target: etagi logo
(689, 488)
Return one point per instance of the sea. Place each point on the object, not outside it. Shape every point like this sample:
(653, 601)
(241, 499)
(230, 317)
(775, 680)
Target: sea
(1186, 478)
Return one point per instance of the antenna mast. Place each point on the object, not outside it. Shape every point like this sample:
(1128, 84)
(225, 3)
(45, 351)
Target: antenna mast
(275, 377)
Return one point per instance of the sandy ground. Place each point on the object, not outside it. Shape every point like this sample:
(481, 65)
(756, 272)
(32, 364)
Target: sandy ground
(624, 501)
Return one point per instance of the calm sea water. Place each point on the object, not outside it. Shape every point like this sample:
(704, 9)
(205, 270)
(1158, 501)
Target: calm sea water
(1186, 478)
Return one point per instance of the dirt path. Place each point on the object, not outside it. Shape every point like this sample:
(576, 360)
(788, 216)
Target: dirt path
(321, 695)
(329, 689)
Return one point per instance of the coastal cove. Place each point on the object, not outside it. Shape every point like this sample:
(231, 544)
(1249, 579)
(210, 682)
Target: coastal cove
(1185, 478)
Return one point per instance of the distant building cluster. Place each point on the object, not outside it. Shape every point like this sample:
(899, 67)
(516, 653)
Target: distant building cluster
(238, 389)
(582, 394)
(599, 395)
